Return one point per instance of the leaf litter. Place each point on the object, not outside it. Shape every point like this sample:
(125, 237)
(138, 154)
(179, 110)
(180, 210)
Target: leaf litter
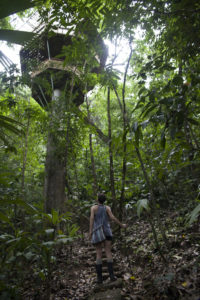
(144, 274)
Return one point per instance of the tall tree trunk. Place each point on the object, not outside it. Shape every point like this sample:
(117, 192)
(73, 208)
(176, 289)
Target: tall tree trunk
(95, 187)
(25, 155)
(55, 175)
(126, 124)
(56, 157)
(153, 200)
(194, 137)
(69, 190)
(55, 168)
(94, 175)
(124, 141)
(25, 152)
(67, 142)
(123, 171)
(188, 138)
(76, 178)
(112, 178)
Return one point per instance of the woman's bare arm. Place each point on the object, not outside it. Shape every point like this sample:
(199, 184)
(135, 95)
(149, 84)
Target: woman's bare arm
(114, 218)
(91, 221)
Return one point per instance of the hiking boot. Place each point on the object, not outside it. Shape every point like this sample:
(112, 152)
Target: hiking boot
(99, 273)
(110, 271)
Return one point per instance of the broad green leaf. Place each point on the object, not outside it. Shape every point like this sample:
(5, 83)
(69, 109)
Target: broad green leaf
(143, 75)
(145, 123)
(142, 204)
(177, 80)
(42, 275)
(137, 136)
(9, 124)
(29, 255)
(194, 214)
(148, 109)
(135, 126)
(73, 230)
(5, 237)
(48, 244)
(192, 121)
(4, 218)
(166, 101)
(49, 231)
(10, 120)
(173, 131)
(55, 216)
(30, 208)
(64, 240)
(139, 103)
(16, 36)
(14, 6)
(163, 139)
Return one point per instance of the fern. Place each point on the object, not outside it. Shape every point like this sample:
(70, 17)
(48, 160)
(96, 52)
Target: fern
(10, 125)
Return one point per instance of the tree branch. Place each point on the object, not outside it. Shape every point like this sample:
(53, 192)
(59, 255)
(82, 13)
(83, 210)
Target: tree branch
(89, 122)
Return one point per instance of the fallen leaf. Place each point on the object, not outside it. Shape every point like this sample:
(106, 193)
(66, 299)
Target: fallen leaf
(177, 257)
(127, 276)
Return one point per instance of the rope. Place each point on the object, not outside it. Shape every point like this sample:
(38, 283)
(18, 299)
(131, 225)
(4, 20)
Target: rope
(43, 94)
(5, 61)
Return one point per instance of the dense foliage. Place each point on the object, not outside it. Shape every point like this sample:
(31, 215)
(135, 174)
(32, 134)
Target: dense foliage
(136, 136)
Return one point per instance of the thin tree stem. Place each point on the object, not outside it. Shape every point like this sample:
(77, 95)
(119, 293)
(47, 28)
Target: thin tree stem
(112, 179)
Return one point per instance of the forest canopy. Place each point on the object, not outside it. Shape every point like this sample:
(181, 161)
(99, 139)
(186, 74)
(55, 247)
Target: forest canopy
(74, 123)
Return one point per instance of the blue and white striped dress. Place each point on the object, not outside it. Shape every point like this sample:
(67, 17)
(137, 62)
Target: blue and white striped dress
(102, 217)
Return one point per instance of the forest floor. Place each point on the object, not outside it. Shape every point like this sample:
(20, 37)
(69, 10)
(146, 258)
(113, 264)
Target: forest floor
(144, 274)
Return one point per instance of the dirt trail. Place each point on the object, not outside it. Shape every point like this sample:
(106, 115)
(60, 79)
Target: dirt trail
(140, 271)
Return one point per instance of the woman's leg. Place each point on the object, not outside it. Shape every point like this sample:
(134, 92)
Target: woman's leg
(99, 251)
(99, 262)
(108, 247)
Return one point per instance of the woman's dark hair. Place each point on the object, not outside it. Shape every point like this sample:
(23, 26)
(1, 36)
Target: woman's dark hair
(101, 198)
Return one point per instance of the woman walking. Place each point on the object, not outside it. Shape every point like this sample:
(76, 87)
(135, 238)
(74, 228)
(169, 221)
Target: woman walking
(99, 217)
